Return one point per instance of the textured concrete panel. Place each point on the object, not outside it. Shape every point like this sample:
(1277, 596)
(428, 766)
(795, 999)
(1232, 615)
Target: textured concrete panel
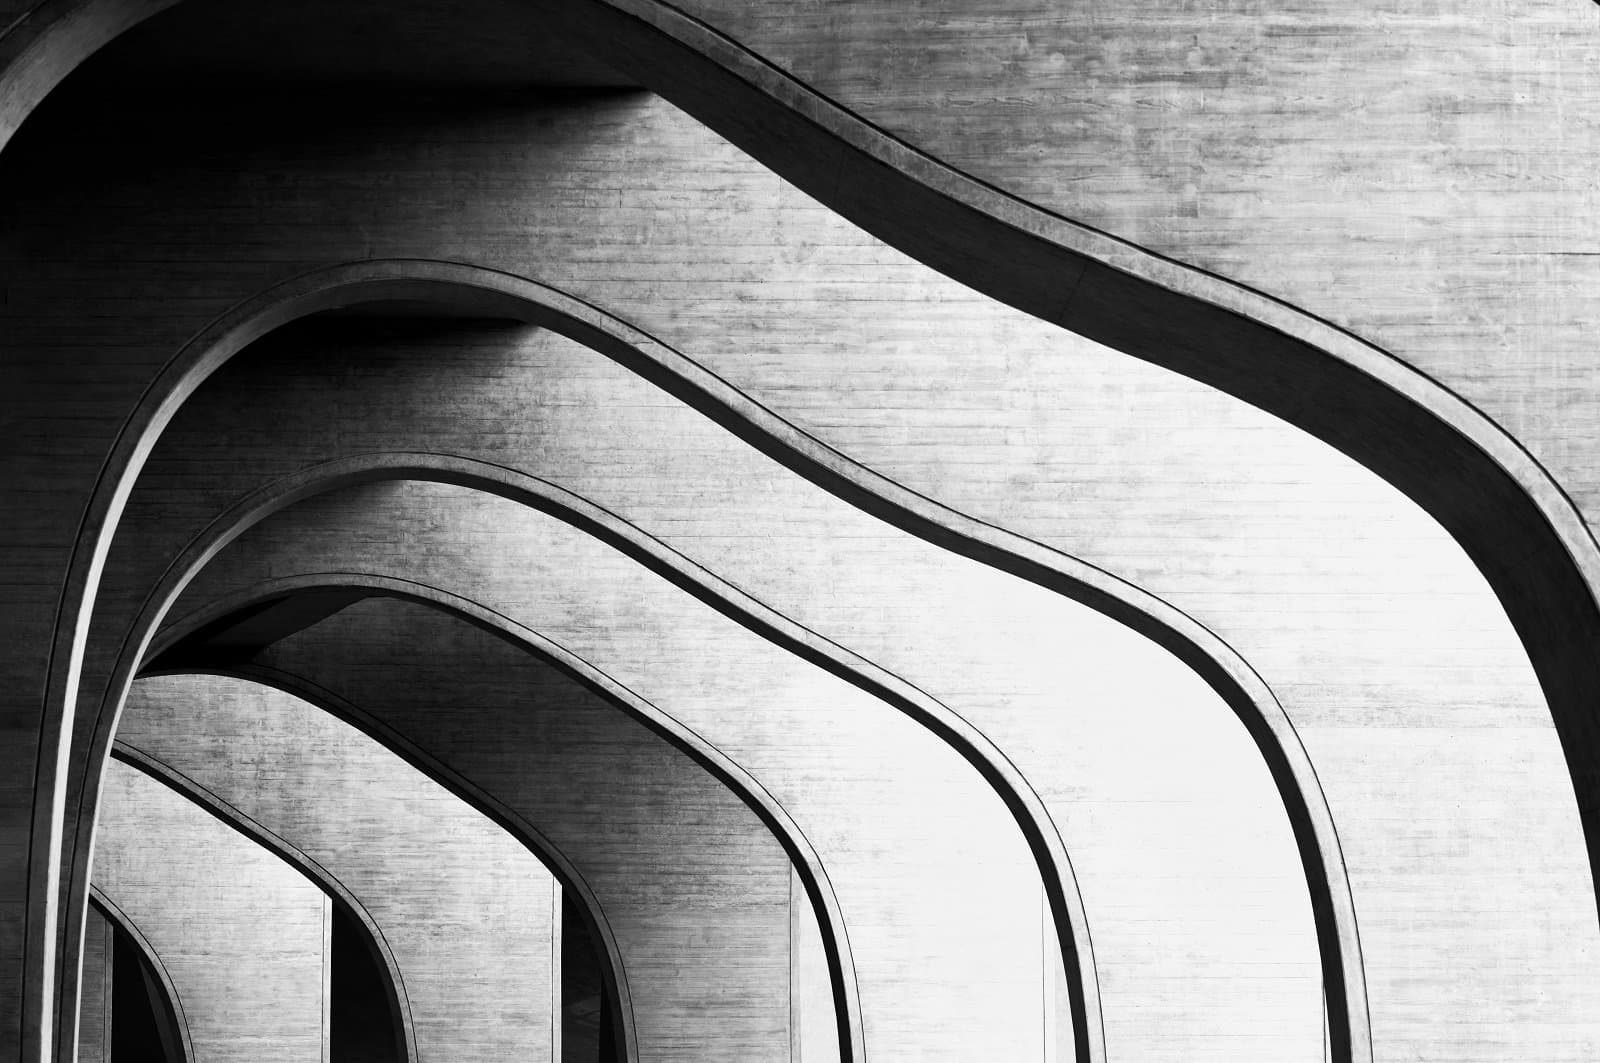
(929, 875)
(1417, 173)
(835, 357)
(467, 912)
(1214, 899)
(243, 935)
(693, 887)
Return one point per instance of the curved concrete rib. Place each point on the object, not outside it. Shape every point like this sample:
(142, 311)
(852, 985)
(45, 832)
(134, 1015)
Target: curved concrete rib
(340, 810)
(373, 938)
(116, 916)
(842, 695)
(490, 620)
(455, 507)
(677, 570)
(234, 925)
(541, 791)
(1409, 428)
(498, 294)
(527, 798)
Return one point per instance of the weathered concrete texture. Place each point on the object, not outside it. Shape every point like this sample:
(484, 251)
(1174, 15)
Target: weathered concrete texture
(243, 935)
(1193, 888)
(1416, 173)
(467, 911)
(933, 881)
(699, 245)
(693, 887)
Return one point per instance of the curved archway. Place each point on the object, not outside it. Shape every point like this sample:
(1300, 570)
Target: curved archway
(772, 814)
(152, 962)
(372, 936)
(1551, 600)
(503, 295)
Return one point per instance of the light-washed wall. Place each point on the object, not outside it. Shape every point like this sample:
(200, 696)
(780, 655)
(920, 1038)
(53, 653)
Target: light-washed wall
(467, 912)
(243, 935)
(1400, 629)
(693, 887)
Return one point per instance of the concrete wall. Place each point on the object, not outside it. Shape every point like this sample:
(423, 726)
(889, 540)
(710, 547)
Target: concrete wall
(874, 383)
(242, 934)
(1414, 173)
(467, 912)
(692, 886)
(1072, 698)
(934, 886)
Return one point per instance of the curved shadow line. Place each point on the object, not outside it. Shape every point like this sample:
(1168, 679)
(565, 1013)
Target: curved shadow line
(123, 921)
(767, 808)
(481, 801)
(1062, 271)
(495, 293)
(1024, 804)
(376, 944)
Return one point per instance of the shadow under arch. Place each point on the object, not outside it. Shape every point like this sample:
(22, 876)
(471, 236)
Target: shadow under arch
(152, 960)
(808, 866)
(488, 292)
(372, 937)
(1515, 522)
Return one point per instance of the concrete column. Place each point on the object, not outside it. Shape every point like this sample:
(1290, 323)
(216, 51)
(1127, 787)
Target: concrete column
(243, 935)
(692, 887)
(94, 993)
(467, 913)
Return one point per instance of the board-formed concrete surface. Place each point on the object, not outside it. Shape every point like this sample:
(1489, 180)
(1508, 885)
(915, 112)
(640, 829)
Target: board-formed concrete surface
(1356, 661)
(873, 836)
(984, 648)
(470, 917)
(243, 935)
(1468, 658)
(692, 888)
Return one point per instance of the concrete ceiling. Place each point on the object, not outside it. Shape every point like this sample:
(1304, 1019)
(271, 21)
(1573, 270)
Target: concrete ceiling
(453, 44)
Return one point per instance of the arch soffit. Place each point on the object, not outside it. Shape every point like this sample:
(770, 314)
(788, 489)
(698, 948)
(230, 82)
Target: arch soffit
(1203, 325)
(1105, 276)
(752, 794)
(374, 940)
(499, 294)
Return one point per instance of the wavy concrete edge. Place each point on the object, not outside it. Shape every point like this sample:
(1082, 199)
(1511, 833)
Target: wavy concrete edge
(114, 914)
(374, 940)
(589, 909)
(499, 294)
(771, 812)
(1024, 804)
(1482, 485)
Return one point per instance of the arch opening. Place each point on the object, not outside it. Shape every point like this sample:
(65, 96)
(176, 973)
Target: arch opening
(1197, 647)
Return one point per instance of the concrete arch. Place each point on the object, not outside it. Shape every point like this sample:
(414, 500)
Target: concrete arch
(1411, 426)
(147, 646)
(117, 917)
(492, 293)
(372, 935)
(233, 922)
(772, 813)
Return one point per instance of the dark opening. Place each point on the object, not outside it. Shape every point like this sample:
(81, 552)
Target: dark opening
(362, 1024)
(588, 1032)
(144, 1028)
